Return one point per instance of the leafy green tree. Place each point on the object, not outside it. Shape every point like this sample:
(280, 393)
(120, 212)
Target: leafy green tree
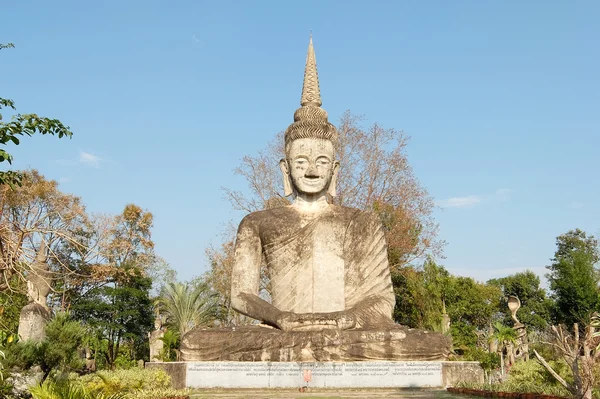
(188, 305)
(119, 312)
(536, 307)
(472, 307)
(420, 295)
(407, 290)
(574, 277)
(23, 125)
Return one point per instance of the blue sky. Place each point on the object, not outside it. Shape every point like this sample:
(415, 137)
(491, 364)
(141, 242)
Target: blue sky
(501, 100)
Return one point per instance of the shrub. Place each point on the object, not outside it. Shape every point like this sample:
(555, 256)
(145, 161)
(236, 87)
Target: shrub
(68, 389)
(135, 383)
(126, 380)
(57, 352)
(489, 361)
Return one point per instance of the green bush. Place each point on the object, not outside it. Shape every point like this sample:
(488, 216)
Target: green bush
(57, 352)
(126, 380)
(135, 383)
(68, 389)
(488, 361)
(532, 371)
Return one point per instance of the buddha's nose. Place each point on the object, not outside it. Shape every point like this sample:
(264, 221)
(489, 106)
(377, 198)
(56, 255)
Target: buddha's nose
(311, 171)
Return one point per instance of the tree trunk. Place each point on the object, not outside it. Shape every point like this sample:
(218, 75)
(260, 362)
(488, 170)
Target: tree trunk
(502, 363)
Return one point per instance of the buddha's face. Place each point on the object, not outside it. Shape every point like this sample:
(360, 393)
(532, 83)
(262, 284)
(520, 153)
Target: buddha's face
(311, 164)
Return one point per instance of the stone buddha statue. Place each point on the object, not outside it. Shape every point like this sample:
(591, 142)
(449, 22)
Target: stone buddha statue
(331, 295)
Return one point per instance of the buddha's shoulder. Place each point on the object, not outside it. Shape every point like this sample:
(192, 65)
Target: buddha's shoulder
(355, 215)
(287, 214)
(268, 215)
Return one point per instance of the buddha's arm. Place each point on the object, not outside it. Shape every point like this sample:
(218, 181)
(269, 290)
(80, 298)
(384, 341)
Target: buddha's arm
(371, 295)
(245, 277)
(373, 311)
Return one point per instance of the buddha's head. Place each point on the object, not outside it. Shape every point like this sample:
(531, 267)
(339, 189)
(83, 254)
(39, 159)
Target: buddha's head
(309, 166)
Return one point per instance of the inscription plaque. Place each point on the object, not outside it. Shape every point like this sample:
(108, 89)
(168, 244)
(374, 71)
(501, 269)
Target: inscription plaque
(381, 374)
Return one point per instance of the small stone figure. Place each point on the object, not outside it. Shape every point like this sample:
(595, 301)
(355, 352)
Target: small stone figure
(156, 343)
(445, 319)
(35, 315)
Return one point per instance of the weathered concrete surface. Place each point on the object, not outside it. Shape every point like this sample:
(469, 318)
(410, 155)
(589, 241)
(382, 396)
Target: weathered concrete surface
(354, 375)
(316, 375)
(177, 371)
(35, 315)
(156, 344)
(453, 372)
(32, 322)
(255, 344)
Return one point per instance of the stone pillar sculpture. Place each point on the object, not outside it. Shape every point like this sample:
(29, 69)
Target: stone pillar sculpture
(156, 343)
(35, 315)
(445, 319)
(520, 350)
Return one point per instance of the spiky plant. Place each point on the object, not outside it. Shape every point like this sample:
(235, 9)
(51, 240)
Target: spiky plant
(66, 389)
(187, 306)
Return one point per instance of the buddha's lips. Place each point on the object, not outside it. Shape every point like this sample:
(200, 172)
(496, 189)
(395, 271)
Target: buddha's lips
(312, 180)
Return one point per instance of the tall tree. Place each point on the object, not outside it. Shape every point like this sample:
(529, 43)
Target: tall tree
(111, 291)
(33, 213)
(110, 242)
(535, 305)
(119, 312)
(131, 238)
(420, 295)
(23, 125)
(574, 277)
(219, 279)
(472, 307)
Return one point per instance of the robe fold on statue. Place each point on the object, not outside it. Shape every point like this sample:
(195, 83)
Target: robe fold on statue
(329, 264)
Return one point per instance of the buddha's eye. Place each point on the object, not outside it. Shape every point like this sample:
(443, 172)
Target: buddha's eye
(301, 162)
(323, 162)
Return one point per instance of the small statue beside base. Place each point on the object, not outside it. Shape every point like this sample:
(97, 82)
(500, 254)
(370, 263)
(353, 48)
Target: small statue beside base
(35, 315)
(155, 338)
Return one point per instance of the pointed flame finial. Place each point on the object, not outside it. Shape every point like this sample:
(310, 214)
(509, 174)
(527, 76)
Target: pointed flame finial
(311, 95)
(310, 120)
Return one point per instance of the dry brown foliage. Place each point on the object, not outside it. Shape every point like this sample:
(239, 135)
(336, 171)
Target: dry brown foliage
(33, 213)
(79, 249)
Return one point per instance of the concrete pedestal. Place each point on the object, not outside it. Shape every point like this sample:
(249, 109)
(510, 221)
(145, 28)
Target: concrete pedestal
(377, 374)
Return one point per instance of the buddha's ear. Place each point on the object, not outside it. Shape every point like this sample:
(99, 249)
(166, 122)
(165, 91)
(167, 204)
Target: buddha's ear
(287, 179)
(331, 190)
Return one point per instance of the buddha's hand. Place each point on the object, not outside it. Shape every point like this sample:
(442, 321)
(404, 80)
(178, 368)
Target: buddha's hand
(289, 321)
